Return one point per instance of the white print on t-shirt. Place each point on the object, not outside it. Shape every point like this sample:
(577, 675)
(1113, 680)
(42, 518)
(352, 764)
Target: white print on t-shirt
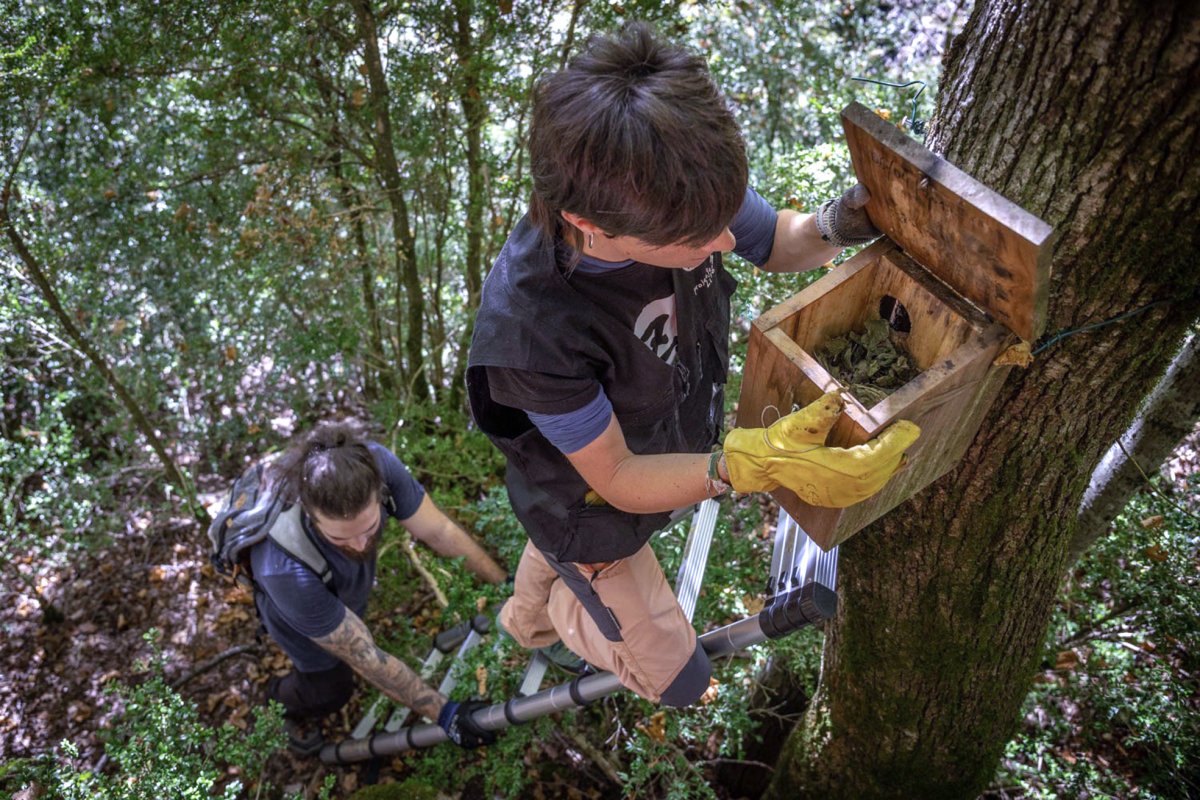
(657, 326)
(710, 274)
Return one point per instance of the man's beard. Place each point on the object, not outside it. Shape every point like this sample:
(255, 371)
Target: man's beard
(367, 553)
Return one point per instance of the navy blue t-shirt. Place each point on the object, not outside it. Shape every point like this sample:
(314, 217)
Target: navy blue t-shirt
(296, 606)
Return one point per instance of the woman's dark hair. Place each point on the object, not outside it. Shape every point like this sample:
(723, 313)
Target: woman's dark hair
(329, 470)
(635, 137)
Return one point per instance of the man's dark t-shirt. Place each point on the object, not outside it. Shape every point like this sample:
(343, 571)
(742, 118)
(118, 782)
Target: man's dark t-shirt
(296, 606)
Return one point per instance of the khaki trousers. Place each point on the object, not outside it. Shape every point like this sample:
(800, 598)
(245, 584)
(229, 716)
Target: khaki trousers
(623, 619)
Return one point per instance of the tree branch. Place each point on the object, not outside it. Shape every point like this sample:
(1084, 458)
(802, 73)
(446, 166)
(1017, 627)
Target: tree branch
(205, 666)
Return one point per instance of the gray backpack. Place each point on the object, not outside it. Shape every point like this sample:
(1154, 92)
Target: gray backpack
(251, 513)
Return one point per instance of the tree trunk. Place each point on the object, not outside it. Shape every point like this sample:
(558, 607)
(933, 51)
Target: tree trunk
(389, 175)
(1086, 113)
(377, 362)
(1170, 415)
(475, 114)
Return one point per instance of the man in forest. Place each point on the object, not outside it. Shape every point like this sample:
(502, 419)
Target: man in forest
(601, 349)
(343, 485)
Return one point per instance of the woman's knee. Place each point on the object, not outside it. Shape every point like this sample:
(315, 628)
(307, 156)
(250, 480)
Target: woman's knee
(692, 681)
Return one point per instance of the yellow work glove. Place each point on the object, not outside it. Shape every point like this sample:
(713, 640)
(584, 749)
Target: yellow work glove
(791, 453)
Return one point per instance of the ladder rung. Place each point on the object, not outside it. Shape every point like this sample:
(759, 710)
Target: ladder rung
(450, 681)
(443, 643)
(531, 681)
(372, 716)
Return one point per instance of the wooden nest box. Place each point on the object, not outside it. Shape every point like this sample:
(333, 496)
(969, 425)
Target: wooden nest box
(960, 275)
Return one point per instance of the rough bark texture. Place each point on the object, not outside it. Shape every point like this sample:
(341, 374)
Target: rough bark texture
(1086, 113)
(1169, 416)
(468, 52)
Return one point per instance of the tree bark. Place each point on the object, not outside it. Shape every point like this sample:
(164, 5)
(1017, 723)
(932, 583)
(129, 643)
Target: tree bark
(1170, 415)
(1086, 113)
(405, 244)
(475, 113)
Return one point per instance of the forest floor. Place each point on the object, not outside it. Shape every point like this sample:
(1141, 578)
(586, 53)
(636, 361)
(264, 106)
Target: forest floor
(54, 675)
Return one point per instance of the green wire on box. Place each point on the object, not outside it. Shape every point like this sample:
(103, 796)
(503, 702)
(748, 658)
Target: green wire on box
(916, 125)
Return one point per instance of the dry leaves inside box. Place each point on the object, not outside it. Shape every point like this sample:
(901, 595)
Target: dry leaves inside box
(959, 272)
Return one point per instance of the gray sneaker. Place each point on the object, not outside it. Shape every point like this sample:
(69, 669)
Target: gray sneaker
(564, 658)
(557, 654)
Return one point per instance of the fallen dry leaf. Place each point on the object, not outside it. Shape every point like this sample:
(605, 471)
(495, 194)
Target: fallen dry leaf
(481, 680)
(656, 727)
(238, 595)
(237, 718)
(1153, 522)
(232, 616)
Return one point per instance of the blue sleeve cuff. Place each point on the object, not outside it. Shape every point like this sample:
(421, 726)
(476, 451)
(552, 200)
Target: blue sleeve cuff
(754, 228)
(575, 430)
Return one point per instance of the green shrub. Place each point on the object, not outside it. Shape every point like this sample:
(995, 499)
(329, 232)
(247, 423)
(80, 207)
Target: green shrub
(52, 493)
(163, 750)
(1117, 710)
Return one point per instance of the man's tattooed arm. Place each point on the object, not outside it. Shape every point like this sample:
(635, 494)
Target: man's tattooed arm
(352, 642)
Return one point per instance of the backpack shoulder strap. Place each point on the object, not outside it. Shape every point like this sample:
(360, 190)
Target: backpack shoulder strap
(289, 535)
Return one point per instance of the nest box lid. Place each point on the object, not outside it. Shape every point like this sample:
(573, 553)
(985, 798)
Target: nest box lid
(987, 248)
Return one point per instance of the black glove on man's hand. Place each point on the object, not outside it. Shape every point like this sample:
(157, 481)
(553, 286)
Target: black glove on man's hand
(455, 720)
(843, 221)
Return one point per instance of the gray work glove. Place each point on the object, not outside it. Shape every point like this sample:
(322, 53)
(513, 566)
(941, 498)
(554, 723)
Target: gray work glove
(843, 221)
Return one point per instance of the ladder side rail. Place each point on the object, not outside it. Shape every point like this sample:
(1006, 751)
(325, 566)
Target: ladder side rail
(695, 557)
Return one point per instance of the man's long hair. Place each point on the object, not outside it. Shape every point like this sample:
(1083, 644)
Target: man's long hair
(329, 470)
